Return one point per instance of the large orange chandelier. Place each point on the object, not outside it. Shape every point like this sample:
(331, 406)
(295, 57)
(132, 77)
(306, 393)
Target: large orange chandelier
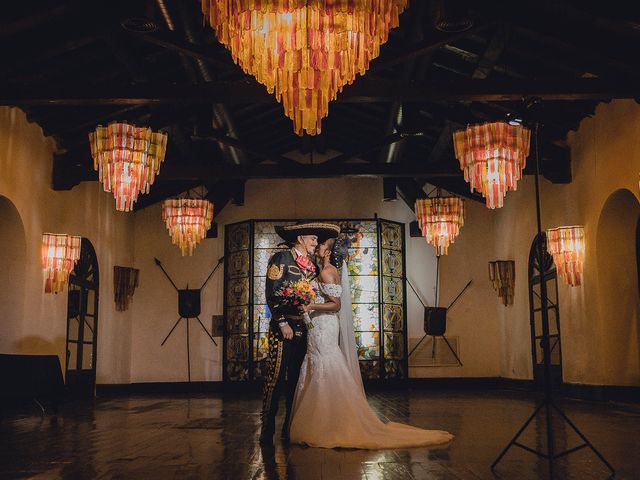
(60, 252)
(440, 219)
(188, 220)
(127, 159)
(304, 51)
(566, 245)
(492, 156)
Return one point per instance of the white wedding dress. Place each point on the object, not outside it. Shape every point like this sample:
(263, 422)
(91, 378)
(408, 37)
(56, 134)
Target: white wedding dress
(330, 408)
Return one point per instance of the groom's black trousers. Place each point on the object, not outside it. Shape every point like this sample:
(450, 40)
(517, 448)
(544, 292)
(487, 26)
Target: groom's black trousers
(285, 359)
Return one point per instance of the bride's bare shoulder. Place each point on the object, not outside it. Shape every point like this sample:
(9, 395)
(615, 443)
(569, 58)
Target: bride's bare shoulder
(329, 274)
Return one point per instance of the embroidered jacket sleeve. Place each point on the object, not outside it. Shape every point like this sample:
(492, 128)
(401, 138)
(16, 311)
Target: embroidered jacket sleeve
(278, 272)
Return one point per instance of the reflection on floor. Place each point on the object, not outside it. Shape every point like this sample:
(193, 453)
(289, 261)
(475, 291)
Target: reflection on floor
(216, 437)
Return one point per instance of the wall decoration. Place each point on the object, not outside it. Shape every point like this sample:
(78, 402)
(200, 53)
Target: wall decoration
(125, 281)
(502, 274)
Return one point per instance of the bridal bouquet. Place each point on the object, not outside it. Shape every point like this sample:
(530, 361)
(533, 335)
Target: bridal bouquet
(296, 294)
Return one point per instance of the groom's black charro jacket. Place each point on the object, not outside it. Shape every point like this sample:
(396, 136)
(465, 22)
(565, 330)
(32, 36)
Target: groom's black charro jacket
(283, 268)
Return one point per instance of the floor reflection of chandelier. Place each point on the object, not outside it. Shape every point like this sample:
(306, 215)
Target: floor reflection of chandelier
(187, 220)
(127, 159)
(304, 51)
(566, 245)
(492, 156)
(60, 252)
(440, 219)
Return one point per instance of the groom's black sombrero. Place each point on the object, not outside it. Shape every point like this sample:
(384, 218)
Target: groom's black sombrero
(324, 231)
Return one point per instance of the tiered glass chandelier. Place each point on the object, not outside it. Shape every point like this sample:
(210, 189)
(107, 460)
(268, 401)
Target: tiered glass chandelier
(127, 159)
(188, 220)
(440, 219)
(304, 51)
(566, 245)
(60, 253)
(492, 156)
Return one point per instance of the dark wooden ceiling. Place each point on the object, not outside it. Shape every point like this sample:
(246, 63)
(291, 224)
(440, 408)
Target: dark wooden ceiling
(73, 65)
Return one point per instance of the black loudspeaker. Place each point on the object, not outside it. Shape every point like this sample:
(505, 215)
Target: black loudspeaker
(414, 229)
(435, 321)
(189, 303)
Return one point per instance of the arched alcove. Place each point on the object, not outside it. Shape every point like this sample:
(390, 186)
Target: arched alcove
(13, 247)
(616, 250)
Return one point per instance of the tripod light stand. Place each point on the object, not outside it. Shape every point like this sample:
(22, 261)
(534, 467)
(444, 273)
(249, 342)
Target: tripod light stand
(547, 404)
(188, 308)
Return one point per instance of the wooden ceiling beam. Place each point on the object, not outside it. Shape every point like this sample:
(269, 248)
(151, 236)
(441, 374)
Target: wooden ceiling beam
(365, 90)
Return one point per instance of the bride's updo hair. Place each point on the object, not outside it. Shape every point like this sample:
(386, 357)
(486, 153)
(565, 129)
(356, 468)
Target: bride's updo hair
(339, 252)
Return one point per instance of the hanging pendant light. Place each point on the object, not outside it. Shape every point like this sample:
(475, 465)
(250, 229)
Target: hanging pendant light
(566, 245)
(492, 157)
(127, 159)
(187, 220)
(60, 253)
(303, 51)
(440, 219)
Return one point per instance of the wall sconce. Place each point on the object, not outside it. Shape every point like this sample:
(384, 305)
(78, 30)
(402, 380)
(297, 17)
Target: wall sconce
(60, 253)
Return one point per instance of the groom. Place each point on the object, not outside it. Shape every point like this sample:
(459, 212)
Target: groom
(287, 330)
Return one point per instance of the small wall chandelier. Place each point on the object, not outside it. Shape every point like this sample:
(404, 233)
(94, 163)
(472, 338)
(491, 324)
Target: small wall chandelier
(127, 159)
(60, 253)
(304, 51)
(440, 219)
(502, 274)
(187, 220)
(492, 156)
(566, 245)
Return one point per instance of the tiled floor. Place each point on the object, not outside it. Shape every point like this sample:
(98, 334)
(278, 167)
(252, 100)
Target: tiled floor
(216, 437)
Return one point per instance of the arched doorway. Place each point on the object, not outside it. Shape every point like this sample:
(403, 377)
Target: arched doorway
(13, 249)
(536, 265)
(618, 289)
(82, 323)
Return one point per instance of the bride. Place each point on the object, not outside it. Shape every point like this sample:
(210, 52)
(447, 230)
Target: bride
(330, 407)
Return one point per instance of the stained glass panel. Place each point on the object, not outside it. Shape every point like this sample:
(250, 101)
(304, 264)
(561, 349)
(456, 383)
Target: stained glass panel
(392, 263)
(237, 371)
(391, 235)
(261, 318)
(370, 369)
(366, 316)
(258, 290)
(392, 290)
(260, 347)
(261, 260)
(368, 344)
(238, 264)
(364, 289)
(238, 291)
(363, 261)
(237, 347)
(394, 369)
(237, 319)
(261, 369)
(238, 237)
(393, 345)
(393, 317)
